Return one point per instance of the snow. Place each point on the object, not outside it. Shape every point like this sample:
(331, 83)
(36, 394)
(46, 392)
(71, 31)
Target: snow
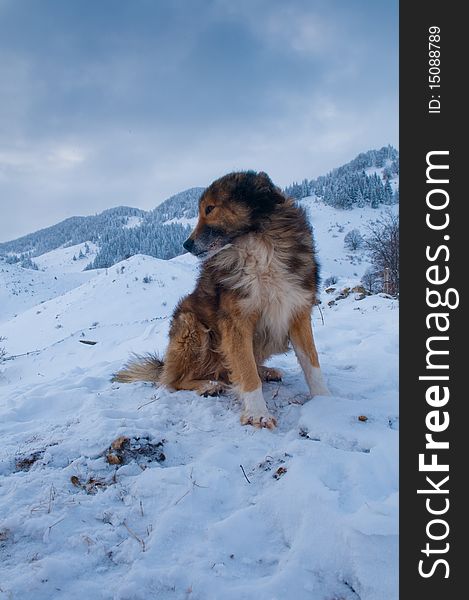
(100, 301)
(133, 222)
(191, 221)
(61, 259)
(313, 516)
(370, 171)
(331, 226)
(22, 288)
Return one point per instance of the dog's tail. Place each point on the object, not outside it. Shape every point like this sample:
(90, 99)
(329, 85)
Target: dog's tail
(140, 368)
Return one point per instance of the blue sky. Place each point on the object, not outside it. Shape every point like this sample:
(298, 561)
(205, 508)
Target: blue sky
(108, 102)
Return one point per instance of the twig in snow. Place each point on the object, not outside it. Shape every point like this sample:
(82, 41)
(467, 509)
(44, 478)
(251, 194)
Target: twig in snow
(51, 497)
(183, 496)
(320, 310)
(135, 536)
(244, 473)
(154, 399)
(277, 391)
(194, 484)
(141, 508)
(54, 524)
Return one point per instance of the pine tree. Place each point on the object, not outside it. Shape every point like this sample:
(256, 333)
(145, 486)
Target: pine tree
(388, 193)
(359, 199)
(374, 197)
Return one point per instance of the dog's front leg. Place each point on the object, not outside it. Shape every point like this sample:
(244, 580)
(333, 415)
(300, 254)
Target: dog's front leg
(237, 334)
(301, 336)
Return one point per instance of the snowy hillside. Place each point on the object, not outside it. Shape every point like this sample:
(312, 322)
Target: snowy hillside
(370, 179)
(111, 236)
(331, 226)
(74, 230)
(193, 506)
(71, 259)
(21, 288)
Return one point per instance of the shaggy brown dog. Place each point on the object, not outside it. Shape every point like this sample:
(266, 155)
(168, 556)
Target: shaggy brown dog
(255, 292)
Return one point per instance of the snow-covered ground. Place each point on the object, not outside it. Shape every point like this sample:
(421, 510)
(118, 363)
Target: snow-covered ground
(330, 227)
(61, 260)
(182, 221)
(21, 289)
(133, 222)
(307, 511)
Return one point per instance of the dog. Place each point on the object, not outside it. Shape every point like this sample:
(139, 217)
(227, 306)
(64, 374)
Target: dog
(255, 293)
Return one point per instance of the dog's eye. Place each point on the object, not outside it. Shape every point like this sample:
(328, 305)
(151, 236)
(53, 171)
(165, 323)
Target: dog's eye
(209, 209)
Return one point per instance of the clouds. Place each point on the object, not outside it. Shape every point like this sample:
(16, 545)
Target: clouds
(296, 26)
(128, 102)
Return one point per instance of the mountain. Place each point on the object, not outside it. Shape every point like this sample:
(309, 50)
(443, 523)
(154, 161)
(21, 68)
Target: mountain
(117, 232)
(179, 207)
(370, 179)
(161, 232)
(74, 230)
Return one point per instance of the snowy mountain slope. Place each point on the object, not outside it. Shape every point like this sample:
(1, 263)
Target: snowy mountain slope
(133, 222)
(71, 259)
(112, 232)
(115, 295)
(182, 221)
(21, 289)
(370, 179)
(314, 518)
(74, 230)
(160, 233)
(331, 226)
(183, 205)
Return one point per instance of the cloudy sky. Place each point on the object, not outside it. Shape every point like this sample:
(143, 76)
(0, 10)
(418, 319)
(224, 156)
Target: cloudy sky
(109, 102)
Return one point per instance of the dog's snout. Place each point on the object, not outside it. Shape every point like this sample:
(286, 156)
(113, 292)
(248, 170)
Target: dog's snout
(188, 244)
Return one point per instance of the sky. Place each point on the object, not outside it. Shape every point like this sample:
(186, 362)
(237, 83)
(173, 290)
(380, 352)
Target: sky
(126, 102)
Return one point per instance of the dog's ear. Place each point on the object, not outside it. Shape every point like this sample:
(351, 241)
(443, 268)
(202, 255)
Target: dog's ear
(264, 195)
(263, 175)
(264, 181)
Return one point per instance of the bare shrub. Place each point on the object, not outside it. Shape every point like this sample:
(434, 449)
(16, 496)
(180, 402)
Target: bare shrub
(382, 244)
(371, 281)
(353, 240)
(332, 280)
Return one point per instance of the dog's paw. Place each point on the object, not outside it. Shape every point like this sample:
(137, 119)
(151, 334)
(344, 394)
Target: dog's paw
(211, 388)
(269, 374)
(319, 390)
(258, 420)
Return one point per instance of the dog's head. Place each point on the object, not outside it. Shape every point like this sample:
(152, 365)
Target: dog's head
(231, 206)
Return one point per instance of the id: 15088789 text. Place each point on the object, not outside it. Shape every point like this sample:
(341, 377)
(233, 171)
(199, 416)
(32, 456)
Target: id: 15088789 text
(434, 71)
